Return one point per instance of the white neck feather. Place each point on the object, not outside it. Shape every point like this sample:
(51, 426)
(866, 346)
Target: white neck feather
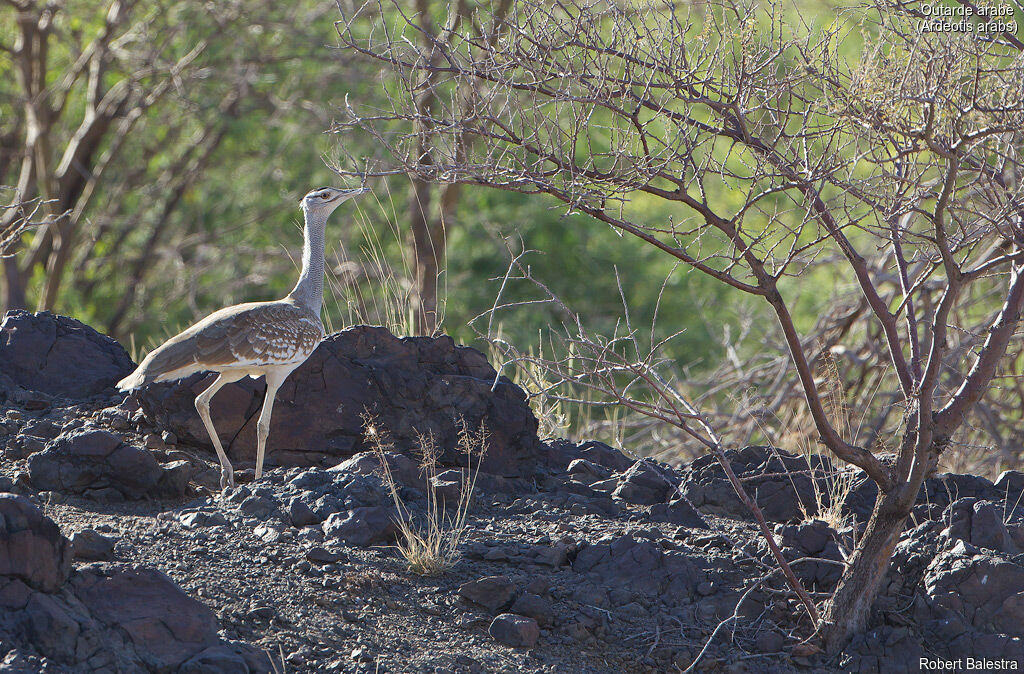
(309, 291)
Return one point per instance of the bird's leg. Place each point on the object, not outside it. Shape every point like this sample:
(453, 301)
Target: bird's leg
(274, 381)
(227, 474)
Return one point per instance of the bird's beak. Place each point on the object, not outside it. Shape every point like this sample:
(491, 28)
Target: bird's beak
(348, 194)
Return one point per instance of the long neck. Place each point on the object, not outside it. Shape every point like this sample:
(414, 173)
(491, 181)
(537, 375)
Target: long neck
(309, 291)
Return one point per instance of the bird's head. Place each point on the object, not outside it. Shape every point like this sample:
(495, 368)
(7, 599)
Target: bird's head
(324, 200)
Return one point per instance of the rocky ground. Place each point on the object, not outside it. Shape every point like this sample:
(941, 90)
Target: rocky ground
(117, 553)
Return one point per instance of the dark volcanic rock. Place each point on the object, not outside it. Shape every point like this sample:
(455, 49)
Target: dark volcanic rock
(816, 544)
(884, 649)
(640, 566)
(988, 529)
(644, 484)
(92, 546)
(198, 519)
(587, 472)
(216, 660)
(558, 454)
(944, 488)
(32, 549)
(101, 617)
(493, 592)
(319, 555)
(515, 630)
(678, 512)
(59, 356)
(778, 480)
(300, 514)
(533, 606)
(166, 626)
(404, 470)
(1010, 486)
(810, 538)
(412, 385)
(983, 589)
(361, 527)
(979, 523)
(97, 463)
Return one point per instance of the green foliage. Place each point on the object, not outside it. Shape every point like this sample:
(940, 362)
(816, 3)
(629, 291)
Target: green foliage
(577, 259)
(234, 234)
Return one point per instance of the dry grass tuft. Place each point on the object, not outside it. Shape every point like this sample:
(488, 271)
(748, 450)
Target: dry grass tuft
(832, 487)
(430, 544)
(832, 481)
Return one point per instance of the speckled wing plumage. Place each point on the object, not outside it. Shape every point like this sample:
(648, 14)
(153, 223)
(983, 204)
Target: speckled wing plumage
(274, 333)
(246, 335)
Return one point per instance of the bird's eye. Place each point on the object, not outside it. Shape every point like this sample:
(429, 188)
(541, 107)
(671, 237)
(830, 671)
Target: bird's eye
(324, 195)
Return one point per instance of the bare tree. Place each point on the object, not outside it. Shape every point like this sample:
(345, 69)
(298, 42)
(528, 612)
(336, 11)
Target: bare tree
(909, 155)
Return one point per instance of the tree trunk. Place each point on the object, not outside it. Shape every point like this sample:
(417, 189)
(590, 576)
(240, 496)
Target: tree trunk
(14, 286)
(426, 253)
(848, 611)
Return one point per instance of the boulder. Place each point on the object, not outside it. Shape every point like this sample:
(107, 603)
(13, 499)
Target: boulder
(944, 488)
(411, 386)
(165, 625)
(587, 472)
(404, 470)
(97, 463)
(810, 538)
(641, 566)
(216, 660)
(979, 523)
(514, 630)
(199, 519)
(983, 590)
(558, 454)
(100, 617)
(32, 548)
(52, 626)
(816, 543)
(92, 546)
(1010, 487)
(300, 514)
(362, 527)
(319, 555)
(778, 480)
(678, 512)
(533, 606)
(493, 592)
(885, 649)
(644, 484)
(59, 356)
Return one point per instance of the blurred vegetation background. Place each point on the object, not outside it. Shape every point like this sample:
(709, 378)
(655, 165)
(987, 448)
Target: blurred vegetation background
(170, 141)
(194, 183)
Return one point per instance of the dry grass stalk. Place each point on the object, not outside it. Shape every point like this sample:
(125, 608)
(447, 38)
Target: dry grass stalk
(832, 484)
(372, 286)
(430, 544)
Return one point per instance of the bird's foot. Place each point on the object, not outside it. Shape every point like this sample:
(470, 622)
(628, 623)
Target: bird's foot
(227, 479)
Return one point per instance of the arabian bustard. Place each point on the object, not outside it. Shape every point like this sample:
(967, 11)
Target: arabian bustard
(253, 339)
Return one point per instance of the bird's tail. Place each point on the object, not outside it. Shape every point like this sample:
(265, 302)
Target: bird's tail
(134, 380)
